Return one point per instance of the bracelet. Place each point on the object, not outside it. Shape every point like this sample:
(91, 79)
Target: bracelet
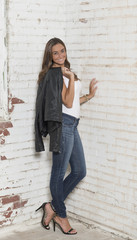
(87, 99)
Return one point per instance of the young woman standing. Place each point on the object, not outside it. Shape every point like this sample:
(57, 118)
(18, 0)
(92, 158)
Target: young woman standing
(71, 149)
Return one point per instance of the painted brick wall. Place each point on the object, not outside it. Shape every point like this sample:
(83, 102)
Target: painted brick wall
(24, 174)
(101, 36)
(101, 42)
(3, 62)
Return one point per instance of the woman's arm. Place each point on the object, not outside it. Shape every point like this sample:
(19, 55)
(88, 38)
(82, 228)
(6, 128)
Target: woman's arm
(85, 98)
(68, 93)
(92, 91)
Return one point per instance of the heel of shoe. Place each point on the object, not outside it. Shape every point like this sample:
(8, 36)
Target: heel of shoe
(54, 225)
(58, 225)
(42, 206)
(39, 208)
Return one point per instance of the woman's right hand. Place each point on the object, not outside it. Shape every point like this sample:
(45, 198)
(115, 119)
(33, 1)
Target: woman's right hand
(67, 73)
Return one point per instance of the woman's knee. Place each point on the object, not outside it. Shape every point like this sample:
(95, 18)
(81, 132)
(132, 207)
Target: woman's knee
(80, 174)
(83, 173)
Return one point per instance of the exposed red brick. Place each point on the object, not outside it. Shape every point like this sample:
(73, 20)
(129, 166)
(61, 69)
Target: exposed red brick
(12, 101)
(16, 205)
(9, 209)
(23, 203)
(3, 131)
(2, 141)
(7, 214)
(10, 110)
(6, 132)
(4, 125)
(2, 222)
(3, 158)
(16, 100)
(19, 204)
(9, 199)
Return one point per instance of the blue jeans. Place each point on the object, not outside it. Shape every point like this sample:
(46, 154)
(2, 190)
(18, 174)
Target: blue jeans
(71, 153)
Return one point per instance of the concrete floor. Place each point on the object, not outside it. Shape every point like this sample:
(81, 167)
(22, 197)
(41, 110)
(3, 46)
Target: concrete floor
(39, 233)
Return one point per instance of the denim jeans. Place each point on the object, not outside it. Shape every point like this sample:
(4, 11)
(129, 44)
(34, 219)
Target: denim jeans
(71, 153)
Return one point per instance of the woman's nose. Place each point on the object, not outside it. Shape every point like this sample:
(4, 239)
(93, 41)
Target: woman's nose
(60, 55)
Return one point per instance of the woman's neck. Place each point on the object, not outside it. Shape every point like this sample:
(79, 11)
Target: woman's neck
(57, 65)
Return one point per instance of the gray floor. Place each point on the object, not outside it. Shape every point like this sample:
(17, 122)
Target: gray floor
(39, 233)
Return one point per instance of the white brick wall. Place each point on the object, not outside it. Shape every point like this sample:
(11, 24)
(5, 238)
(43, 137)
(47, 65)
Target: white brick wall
(25, 174)
(101, 42)
(3, 62)
(103, 39)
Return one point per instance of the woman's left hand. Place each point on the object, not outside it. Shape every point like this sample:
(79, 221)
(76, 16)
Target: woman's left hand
(92, 88)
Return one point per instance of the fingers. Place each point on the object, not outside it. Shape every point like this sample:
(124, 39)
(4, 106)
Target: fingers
(64, 69)
(93, 82)
(93, 87)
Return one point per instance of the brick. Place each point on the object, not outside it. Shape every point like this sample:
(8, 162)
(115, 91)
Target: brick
(16, 101)
(8, 214)
(5, 124)
(6, 132)
(19, 204)
(3, 158)
(9, 199)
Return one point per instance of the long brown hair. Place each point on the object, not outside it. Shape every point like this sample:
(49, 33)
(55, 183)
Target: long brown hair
(47, 58)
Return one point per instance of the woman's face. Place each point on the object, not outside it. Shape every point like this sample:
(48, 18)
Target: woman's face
(58, 55)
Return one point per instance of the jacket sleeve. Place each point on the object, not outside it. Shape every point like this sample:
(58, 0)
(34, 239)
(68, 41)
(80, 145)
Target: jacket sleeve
(53, 108)
(39, 146)
(53, 97)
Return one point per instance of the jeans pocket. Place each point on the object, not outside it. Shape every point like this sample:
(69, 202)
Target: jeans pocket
(68, 122)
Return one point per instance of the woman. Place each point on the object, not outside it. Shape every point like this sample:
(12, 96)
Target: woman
(71, 150)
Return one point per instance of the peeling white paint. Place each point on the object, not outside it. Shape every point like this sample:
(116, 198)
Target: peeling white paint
(3, 62)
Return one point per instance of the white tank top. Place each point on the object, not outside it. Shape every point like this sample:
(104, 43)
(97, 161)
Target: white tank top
(75, 110)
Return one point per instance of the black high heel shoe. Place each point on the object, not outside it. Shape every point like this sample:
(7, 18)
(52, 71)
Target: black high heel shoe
(43, 216)
(68, 233)
(47, 227)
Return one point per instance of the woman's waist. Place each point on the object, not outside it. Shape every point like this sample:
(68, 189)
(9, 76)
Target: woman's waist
(69, 120)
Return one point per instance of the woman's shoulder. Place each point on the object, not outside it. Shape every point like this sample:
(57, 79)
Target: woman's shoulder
(54, 69)
(53, 72)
